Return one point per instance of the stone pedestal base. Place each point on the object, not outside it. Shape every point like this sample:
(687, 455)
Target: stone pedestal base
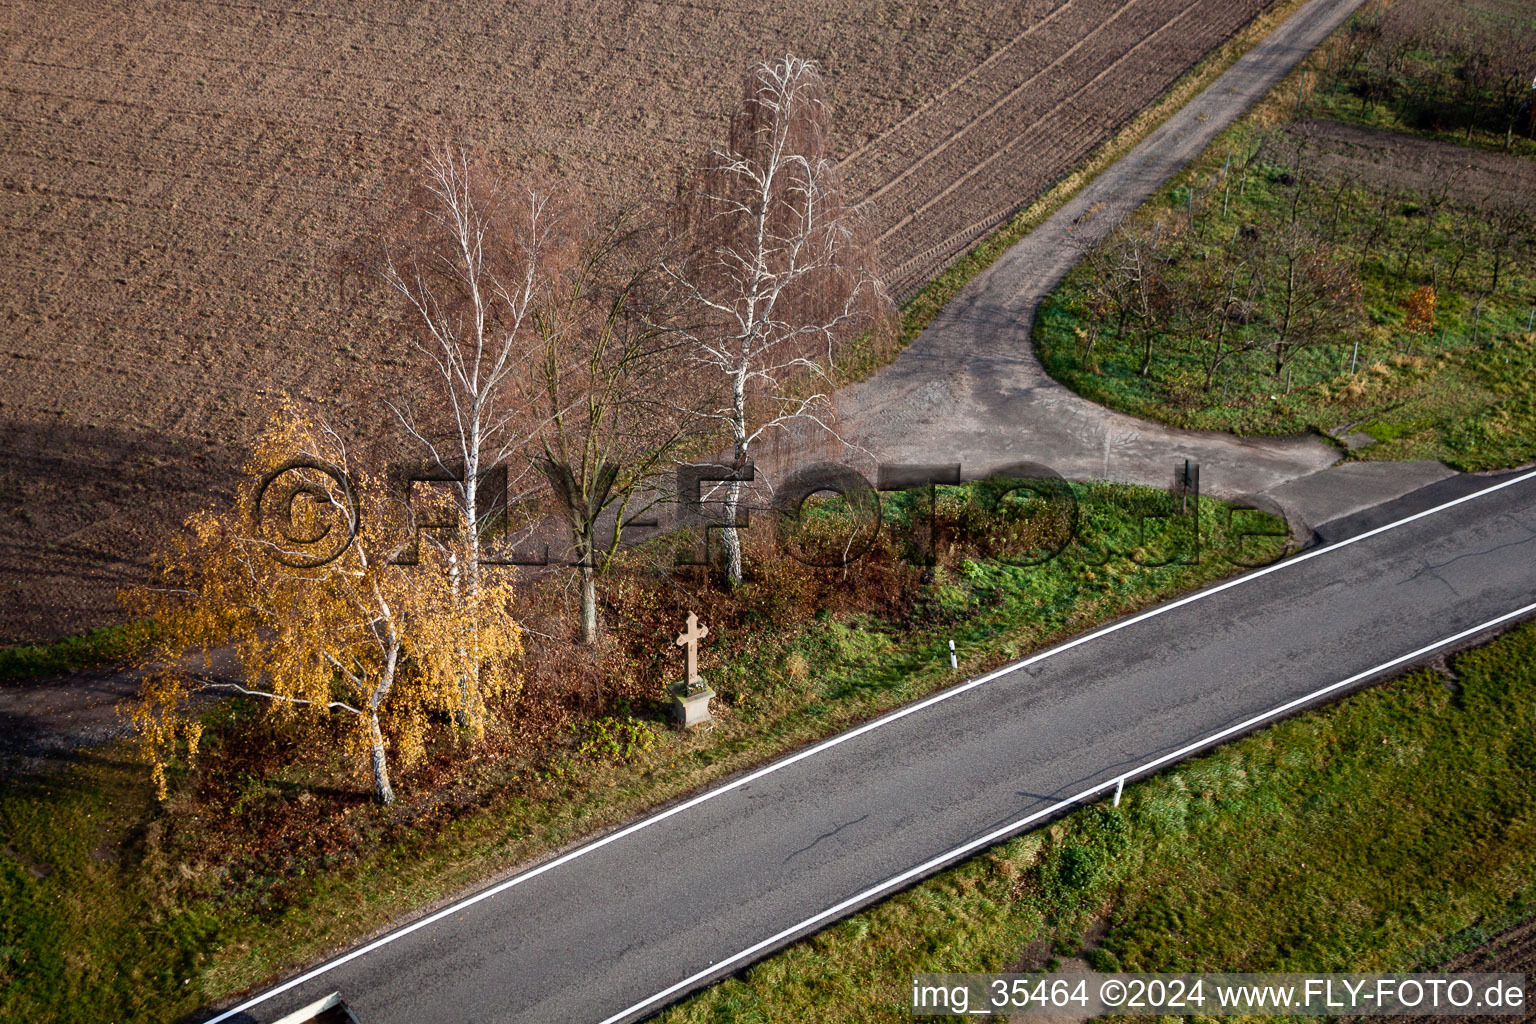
(690, 709)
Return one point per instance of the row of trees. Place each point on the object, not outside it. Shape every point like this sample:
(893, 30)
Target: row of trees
(1444, 66)
(1224, 292)
(1275, 291)
(566, 360)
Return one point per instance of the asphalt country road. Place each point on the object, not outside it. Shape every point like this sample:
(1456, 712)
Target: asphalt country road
(597, 934)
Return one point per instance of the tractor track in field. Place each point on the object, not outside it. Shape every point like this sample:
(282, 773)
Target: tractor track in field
(1011, 151)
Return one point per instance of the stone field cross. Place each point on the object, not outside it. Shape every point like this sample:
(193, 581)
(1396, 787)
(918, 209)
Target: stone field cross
(690, 638)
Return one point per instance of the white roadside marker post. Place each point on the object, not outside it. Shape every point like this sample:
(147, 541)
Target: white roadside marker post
(1119, 788)
(953, 664)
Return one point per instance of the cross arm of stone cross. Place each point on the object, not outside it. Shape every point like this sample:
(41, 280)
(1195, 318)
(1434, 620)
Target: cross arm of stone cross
(694, 633)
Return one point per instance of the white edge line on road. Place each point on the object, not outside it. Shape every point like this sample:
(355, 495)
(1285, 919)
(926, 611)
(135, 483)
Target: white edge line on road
(950, 856)
(887, 719)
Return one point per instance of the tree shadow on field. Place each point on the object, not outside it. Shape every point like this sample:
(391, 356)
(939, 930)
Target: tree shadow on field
(82, 510)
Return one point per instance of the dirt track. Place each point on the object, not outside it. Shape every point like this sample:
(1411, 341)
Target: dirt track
(1402, 161)
(176, 176)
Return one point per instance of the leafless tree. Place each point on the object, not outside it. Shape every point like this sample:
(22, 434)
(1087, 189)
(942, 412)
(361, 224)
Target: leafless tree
(609, 385)
(1222, 296)
(1130, 285)
(1494, 66)
(1374, 233)
(1314, 295)
(1508, 236)
(1443, 62)
(1361, 34)
(776, 264)
(1138, 284)
(1440, 184)
(473, 259)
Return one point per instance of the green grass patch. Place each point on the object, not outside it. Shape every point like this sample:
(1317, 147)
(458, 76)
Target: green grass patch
(100, 646)
(1372, 835)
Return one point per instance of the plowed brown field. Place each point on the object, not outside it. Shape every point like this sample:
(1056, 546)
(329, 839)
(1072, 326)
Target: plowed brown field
(1513, 952)
(175, 176)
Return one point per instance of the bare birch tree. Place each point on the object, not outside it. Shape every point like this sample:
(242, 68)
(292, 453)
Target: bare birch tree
(777, 265)
(473, 260)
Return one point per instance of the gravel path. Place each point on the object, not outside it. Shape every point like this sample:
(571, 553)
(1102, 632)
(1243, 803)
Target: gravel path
(970, 389)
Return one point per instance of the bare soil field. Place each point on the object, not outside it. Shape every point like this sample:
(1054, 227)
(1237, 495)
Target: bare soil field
(1512, 952)
(1417, 164)
(176, 177)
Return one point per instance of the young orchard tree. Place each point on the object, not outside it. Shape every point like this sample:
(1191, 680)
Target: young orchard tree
(776, 266)
(1312, 294)
(1513, 77)
(1363, 34)
(610, 386)
(1219, 297)
(296, 578)
(473, 259)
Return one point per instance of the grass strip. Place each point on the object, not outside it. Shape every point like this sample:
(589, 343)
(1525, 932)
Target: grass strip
(861, 360)
(99, 646)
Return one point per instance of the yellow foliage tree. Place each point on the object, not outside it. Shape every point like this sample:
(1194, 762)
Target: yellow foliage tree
(1419, 311)
(298, 579)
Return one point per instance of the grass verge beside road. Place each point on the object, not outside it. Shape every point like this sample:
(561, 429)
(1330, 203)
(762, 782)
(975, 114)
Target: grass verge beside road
(259, 869)
(1373, 835)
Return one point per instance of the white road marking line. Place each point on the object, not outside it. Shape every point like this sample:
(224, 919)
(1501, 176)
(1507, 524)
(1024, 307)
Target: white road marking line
(951, 856)
(843, 737)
